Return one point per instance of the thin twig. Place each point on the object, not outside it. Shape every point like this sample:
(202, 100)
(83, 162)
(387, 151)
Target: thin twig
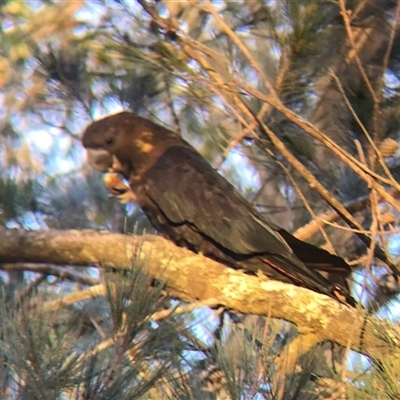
(325, 194)
(306, 204)
(363, 171)
(346, 20)
(354, 206)
(364, 130)
(225, 28)
(63, 273)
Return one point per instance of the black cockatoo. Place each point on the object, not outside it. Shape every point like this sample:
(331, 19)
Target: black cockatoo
(189, 203)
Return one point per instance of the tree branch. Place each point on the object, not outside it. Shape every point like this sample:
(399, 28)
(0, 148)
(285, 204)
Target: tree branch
(59, 272)
(192, 277)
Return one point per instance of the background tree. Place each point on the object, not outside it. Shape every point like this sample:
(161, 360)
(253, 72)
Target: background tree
(295, 102)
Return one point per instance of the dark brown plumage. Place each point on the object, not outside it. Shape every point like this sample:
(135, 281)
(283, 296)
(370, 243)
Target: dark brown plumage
(188, 202)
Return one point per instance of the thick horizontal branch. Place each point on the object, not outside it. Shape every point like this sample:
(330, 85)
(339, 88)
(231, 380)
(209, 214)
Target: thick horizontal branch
(192, 277)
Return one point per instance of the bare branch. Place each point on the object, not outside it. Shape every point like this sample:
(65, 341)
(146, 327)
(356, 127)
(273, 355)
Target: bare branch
(193, 277)
(60, 272)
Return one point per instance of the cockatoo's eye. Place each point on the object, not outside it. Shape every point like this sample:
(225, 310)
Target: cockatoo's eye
(109, 140)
